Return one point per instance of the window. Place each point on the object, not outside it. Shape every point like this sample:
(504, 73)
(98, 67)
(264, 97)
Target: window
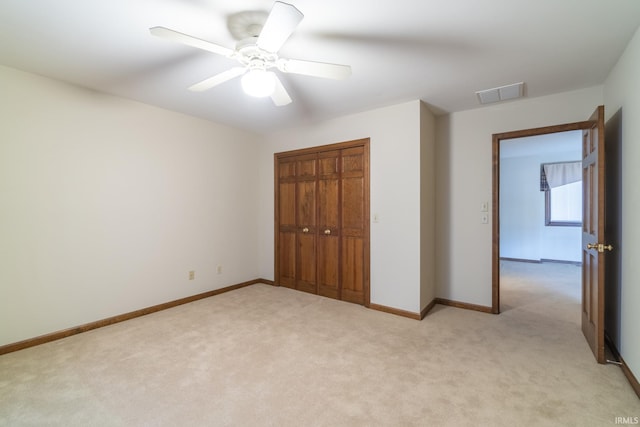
(562, 184)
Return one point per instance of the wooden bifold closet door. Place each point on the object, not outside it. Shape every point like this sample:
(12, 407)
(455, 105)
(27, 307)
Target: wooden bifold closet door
(322, 220)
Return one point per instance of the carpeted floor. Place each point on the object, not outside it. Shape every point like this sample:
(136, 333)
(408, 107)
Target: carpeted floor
(269, 356)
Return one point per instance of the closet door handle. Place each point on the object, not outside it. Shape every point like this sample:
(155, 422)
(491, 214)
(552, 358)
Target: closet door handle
(305, 230)
(327, 231)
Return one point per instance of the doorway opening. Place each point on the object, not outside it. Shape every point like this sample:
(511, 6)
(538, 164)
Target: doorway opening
(540, 223)
(528, 140)
(496, 146)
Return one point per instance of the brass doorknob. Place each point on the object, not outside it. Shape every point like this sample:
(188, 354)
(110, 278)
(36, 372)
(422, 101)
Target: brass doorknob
(305, 230)
(599, 246)
(327, 231)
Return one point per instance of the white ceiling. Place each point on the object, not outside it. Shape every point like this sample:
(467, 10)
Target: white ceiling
(438, 51)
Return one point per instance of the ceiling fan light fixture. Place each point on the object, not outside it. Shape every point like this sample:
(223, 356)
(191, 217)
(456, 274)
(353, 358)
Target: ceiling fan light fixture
(259, 83)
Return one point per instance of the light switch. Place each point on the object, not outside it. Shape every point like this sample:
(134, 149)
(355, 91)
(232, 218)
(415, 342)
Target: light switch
(484, 207)
(376, 217)
(484, 218)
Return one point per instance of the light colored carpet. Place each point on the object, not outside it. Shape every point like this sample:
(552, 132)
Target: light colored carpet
(268, 356)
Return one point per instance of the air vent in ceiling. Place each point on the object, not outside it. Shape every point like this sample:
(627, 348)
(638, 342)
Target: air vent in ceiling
(501, 93)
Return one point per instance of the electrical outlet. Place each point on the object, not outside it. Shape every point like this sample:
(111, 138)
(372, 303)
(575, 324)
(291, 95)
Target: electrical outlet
(219, 269)
(192, 275)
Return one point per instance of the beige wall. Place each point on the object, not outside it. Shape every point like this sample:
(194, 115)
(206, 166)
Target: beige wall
(427, 206)
(464, 182)
(622, 93)
(107, 204)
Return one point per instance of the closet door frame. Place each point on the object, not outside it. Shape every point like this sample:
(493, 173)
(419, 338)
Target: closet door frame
(365, 142)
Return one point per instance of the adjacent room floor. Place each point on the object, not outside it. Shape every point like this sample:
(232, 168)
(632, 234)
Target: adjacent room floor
(270, 356)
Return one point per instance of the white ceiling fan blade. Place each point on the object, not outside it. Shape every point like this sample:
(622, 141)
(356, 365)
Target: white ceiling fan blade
(280, 96)
(316, 69)
(282, 20)
(218, 79)
(176, 36)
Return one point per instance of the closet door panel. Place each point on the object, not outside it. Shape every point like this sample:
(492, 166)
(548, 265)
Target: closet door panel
(329, 224)
(352, 269)
(286, 214)
(328, 204)
(328, 267)
(306, 267)
(306, 166)
(306, 205)
(328, 238)
(286, 168)
(353, 161)
(287, 235)
(352, 204)
(287, 204)
(353, 225)
(353, 190)
(287, 260)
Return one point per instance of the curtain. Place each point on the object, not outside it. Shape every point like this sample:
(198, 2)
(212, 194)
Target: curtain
(554, 175)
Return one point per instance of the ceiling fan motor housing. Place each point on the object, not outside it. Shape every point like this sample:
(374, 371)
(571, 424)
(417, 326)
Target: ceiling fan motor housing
(249, 54)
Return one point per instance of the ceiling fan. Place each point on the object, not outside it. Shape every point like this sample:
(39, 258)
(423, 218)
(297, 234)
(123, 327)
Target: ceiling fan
(260, 37)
